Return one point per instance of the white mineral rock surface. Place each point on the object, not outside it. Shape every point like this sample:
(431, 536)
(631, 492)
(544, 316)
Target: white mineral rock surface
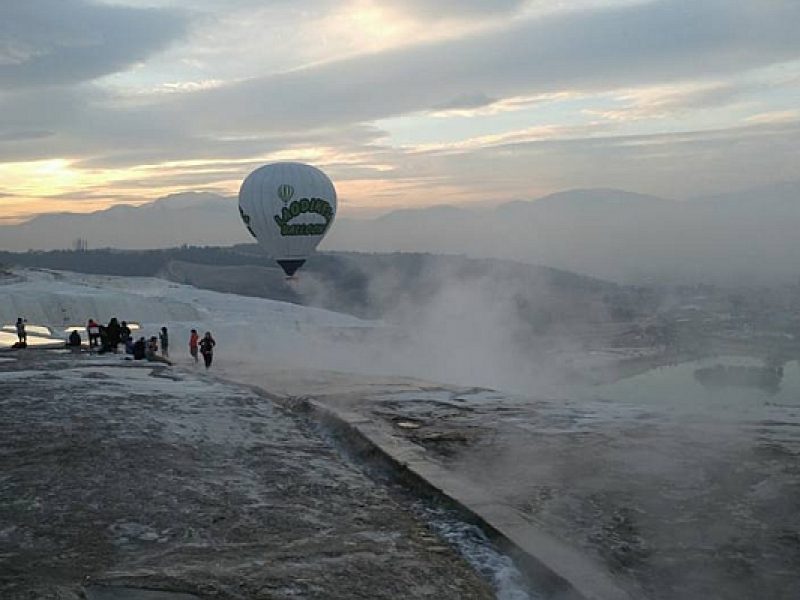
(676, 490)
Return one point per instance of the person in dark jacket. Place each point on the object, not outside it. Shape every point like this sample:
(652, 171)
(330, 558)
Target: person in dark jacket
(207, 348)
(74, 341)
(139, 349)
(21, 334)
(105, 345)
(124, 332)
(113, 333)
(163, 338)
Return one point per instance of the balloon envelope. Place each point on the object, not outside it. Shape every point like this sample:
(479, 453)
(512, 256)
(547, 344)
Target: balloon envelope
(288, 208)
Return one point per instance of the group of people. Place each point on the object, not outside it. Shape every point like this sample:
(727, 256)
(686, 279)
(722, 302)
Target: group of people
(149, 348)
(107, 338)
(156, 348)
(204, 345)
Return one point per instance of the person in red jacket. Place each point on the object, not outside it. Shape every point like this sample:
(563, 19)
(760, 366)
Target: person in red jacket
(193, 341)
(93, 331)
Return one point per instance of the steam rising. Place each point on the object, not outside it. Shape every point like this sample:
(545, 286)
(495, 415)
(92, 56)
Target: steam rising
(481, 323)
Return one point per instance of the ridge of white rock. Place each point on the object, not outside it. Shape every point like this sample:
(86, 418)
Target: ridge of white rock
(278, 333)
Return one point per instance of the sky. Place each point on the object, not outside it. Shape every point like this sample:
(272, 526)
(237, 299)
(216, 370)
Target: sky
(404, 103)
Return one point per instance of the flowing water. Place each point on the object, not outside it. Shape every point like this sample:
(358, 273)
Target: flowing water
(479, 551)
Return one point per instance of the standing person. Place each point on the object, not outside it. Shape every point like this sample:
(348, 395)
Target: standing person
(193, 340)
(105, 344)
(93, 332)
(21, 334)
(207, 348)
(113, 333)
(124, 333)
(163, 337)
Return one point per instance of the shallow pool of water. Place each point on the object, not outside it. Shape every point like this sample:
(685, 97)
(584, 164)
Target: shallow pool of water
(8, 339)
(677, 387)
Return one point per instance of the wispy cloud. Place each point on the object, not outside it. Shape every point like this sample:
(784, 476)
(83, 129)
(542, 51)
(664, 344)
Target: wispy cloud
(47, 42)
(775, 117)
(660, 102)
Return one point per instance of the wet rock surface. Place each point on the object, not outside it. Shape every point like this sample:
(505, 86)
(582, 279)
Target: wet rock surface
(117, 476)
(684, 510)
(673, 504)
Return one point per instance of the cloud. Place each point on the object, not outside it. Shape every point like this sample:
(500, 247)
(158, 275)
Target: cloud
(677, 164)
(529, 134)
(453, 8)
(529, 61)
(460, 107)
(49, 42)
(466, 102)
(533, 72)
(78, 121)
(659, 102)
(98, 131)
(17, 135)
(775, 117)
(598, 49)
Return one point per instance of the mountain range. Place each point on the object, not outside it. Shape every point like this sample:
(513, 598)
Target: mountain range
(744, 237)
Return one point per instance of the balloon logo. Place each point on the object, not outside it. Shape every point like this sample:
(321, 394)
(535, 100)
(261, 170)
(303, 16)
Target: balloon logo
(285, 192)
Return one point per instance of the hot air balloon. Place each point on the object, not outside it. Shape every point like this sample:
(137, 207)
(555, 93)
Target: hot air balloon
(288, 207)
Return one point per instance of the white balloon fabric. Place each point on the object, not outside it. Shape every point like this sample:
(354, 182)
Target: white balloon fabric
(288, 207)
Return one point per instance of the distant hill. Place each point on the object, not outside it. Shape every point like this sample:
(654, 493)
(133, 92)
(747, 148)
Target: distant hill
(188, 218)
(747, 237)
(246, 280)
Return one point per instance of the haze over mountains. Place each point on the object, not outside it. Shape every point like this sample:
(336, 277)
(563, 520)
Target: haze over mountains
(747, 237)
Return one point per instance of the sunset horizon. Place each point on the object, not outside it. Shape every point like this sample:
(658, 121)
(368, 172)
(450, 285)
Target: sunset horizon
(402, 104)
